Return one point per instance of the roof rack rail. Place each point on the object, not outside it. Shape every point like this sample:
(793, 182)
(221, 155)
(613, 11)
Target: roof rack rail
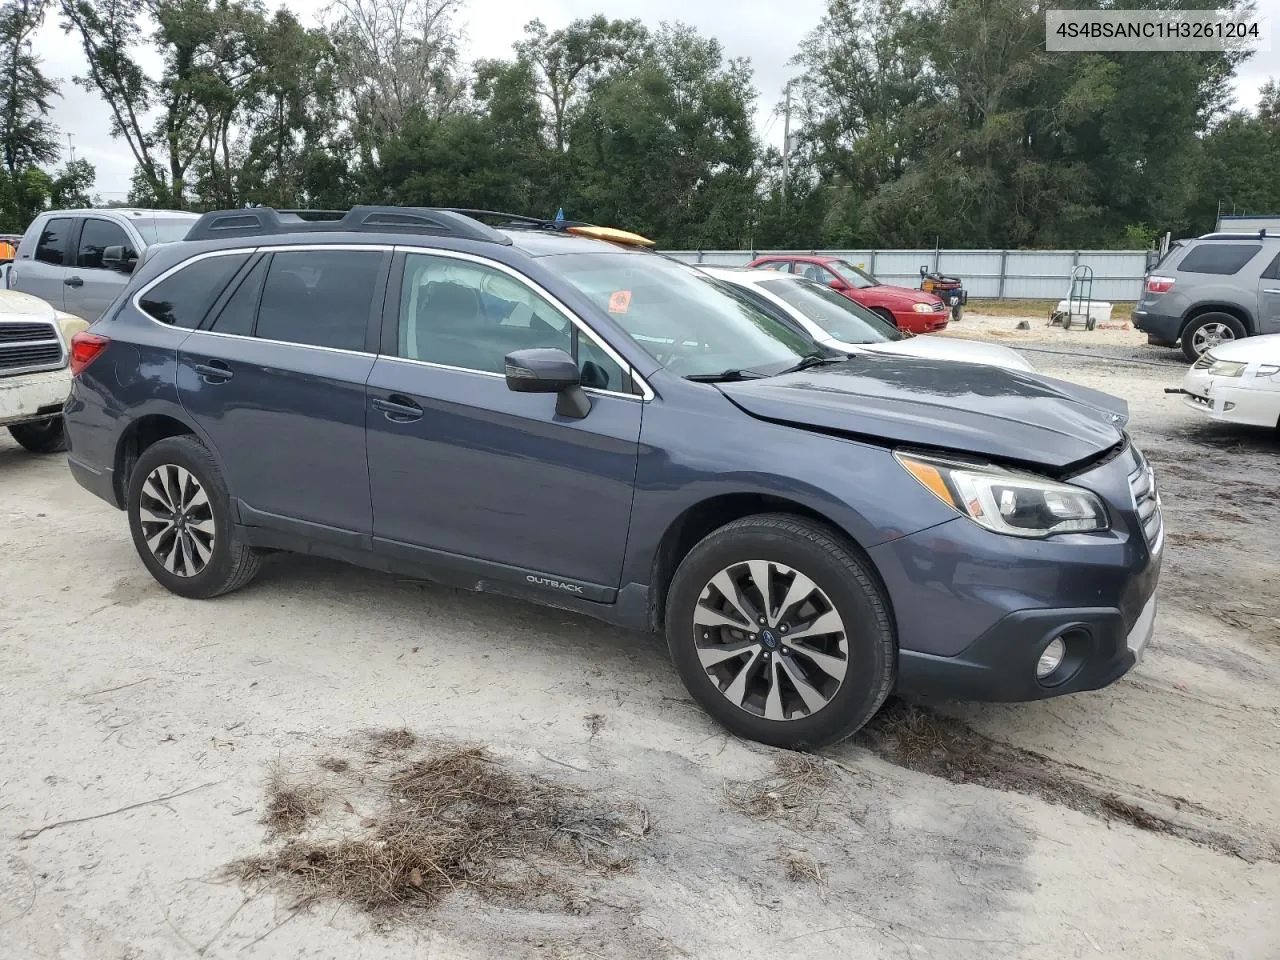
(267, 221)
(516, 220)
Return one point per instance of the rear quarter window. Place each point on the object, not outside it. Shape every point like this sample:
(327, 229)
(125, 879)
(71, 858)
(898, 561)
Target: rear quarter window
(183, 298)
(1222, 259)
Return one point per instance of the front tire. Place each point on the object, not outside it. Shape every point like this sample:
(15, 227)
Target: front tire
(804, 661)
(180, 518)
(1207, 331)
(40, 436)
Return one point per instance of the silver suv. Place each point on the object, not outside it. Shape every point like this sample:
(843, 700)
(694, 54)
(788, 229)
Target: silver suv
(79, 260)
(1218, 287)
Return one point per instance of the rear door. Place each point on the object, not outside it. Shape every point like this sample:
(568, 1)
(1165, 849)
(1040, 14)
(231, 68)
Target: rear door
(1269, 298)
(91, 287)
(275, 377)
(41, 267)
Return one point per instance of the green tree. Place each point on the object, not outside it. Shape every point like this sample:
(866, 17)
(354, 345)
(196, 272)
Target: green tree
(27, 137)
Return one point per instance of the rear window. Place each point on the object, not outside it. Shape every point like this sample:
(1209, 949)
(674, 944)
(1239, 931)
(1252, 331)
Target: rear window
(1218, 258)
(183, 298)
(164, 229)
(839, 316)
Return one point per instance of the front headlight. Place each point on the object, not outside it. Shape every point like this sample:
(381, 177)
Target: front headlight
(922, 307)
(1226, 368)
(1006, 501)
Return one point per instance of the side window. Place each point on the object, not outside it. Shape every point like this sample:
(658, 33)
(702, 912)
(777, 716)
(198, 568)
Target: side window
(237, 314)
(468, 315)
(814, 271)
(1214, 256)
(1273, 272)
(95, 237)
(52, 244)
(320, 298)
(183, 298)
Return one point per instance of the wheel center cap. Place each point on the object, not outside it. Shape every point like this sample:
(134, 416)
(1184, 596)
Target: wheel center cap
(769, 639)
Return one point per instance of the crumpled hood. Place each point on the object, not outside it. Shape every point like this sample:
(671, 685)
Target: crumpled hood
(969, 408)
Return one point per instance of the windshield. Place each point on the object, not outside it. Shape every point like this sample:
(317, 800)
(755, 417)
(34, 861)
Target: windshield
(164, 229)
(681, 317)
(852, 275)
(837, 315)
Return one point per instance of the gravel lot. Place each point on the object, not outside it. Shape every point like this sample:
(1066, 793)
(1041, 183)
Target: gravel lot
(1142, 820)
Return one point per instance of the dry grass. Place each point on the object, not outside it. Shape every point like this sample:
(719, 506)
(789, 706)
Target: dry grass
(454, 820)
(392, 741)
(291, 806)
(797, 786)
(1120, 312)
(799, 867)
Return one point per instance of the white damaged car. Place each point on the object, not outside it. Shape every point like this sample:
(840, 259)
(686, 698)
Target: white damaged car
(35, 369)
(1237, 381)
(837, 322)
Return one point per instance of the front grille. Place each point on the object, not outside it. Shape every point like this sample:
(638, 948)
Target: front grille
(1146, 499)
(29, 346)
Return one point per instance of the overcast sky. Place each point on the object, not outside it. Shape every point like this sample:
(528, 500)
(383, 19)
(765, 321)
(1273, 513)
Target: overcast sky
(766, 31)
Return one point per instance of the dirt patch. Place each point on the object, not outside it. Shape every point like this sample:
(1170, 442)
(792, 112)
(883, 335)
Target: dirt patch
(1229, 515)
(927, 742)
(334, 764)
(594, 723)
(798, 785)
(456, 819)
(291, 806)
(1194, 539)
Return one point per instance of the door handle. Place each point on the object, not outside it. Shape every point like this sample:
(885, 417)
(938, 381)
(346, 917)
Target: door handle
(73, 282)
(398, 409)
(215, 371)
(1272, 290)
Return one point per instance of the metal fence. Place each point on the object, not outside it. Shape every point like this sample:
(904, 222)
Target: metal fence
(1029, 274)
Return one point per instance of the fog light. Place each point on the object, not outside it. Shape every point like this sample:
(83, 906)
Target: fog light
(1051, 658)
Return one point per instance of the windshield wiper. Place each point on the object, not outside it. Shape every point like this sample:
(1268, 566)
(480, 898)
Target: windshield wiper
(812, 360)
(725, 376)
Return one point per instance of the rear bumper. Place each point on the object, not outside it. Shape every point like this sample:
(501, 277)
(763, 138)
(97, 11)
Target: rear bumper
(1000, 665)
(1159, 326)
(33, 396)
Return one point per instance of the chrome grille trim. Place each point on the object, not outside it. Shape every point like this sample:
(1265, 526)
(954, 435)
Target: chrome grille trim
(1146, 500)
(27, 347)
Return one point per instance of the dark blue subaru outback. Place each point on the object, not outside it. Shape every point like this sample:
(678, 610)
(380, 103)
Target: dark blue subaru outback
(512, 406)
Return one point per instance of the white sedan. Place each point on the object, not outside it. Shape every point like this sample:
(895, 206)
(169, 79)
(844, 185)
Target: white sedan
(1237, 381)
(839, 323)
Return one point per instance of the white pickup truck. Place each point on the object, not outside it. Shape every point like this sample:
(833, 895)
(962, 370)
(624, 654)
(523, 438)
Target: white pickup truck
(35, 373)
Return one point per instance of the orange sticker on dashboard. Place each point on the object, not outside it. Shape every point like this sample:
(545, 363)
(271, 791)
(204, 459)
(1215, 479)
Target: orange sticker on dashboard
(620, 301)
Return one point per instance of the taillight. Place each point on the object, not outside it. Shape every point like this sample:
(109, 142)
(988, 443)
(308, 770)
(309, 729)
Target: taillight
(1159, 284)
(85, 348)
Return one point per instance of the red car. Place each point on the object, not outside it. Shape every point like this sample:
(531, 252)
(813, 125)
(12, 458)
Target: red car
(911, 310)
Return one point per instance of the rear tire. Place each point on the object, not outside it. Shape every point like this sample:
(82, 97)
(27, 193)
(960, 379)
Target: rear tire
(40, 436)
(824, 659)
(1207, 331)
(180, 518)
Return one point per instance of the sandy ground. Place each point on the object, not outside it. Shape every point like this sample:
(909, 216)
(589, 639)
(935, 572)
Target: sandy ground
(114, 692)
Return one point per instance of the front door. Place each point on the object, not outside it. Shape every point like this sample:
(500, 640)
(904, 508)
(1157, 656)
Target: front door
(275, 378)
(462, 467)
(90, 286)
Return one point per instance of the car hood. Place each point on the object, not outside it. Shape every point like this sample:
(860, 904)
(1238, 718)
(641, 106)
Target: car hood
(1264, 349)
(990, 411)
(903, 294)
(948, 348)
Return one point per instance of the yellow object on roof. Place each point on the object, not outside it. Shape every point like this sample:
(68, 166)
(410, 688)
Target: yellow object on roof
(613, 236)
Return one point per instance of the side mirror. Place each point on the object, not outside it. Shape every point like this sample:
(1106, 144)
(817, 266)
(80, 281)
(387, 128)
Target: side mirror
(116, 258)
(838, 284)
(548, 370)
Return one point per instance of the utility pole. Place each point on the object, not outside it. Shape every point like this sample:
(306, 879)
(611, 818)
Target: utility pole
(71, 148)
(786, 148)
